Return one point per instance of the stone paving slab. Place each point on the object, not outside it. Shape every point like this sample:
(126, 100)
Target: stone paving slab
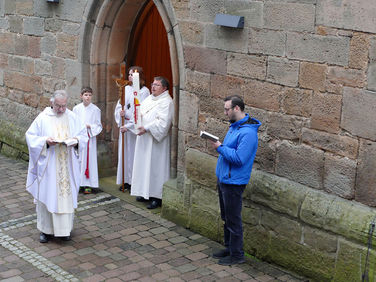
(112, 240)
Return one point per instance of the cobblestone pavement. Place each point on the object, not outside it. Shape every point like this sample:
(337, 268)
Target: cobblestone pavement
(112, 240)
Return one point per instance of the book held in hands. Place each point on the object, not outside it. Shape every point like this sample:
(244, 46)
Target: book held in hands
(207, 135)
(68, 142)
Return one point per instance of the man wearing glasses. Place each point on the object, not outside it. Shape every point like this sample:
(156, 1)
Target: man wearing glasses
(55, 140)
(234, 166)
(151, 167)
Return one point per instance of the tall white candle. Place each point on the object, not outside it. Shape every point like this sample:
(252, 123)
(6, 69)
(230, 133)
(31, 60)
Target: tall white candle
(136, 82)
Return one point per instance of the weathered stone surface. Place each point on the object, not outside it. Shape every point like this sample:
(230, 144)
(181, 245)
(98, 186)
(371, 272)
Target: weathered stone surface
(7, 42)
(249, 9)
(283, 71)
(181, 8)
(3, 61)
(248, 66)
(71, 28)
(267, 42)
(192, 32)
(277, 193)
(371, 76)
(283, 126)
(24, 7)
(289, 16)
(297, 102)
(51, 84)
(222, 86)
(300, 163)
(34, 26)
(13, 135)
(339, 176)
(326, 112)
(365, 191)
(3, 92)
(15, 24)
(27, 83)
(359, 46)
(21, 64)
(283, 226)
(256, 241)
(265, 156)
(341, 145)
(9, 6)
(262, 95)
(31, 100)
(16, 95)
(205, 11)
(200, 168)
(316, 48)
(33, 47)
(188, 112)
(358, 113)
(66, 45)
(347, 77)
(48, 43)
(53, 25)
(43, 67)
(251, 214)
(224, 38)
(319, 240)
(312, 76)
(198, 83)
(205, 60)
(350, 257)
(337, 215)
(347, 14)
(4, 23)
(1, 77)
(372, 50)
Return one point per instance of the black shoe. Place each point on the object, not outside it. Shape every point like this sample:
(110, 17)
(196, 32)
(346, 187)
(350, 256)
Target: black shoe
(230, 260)
(126, 187)
(154, 204)
(141, 199)
(221, 254)
(65, 238)
(43, 238)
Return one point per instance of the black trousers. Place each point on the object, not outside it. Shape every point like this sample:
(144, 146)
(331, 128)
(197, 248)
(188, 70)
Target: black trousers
(230, 201)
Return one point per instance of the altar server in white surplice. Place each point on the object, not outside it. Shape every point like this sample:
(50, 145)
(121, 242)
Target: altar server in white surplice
(128, 128)
(152, 154)
(90, 115)
(55, 139)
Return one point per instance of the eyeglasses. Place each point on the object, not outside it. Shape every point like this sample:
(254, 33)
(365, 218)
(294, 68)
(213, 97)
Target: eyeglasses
(227, 109)
(155, 84)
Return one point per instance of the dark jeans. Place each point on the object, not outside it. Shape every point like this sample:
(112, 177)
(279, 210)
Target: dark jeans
(230, 202)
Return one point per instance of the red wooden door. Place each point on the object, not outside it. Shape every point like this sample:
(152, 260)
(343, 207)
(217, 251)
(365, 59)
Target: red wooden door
(149, 46)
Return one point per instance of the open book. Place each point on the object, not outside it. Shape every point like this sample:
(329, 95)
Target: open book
(207, 135)
(68, 141)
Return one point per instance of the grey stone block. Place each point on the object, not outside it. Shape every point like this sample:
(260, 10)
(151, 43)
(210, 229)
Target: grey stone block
(289, 16)
(44, 9)
(267, 42)
(34, 26)
(317, 48)
(4, 23)
(294, 1)
(48, 44)
(1, 77)
(188, 120)
(43, 67)
(246, 65)
(71, 28)
(371, 76)
(283, 71)
(347, 14)
(300, 163)
(249, 9)
(15, 24)
(225, 38)
(358, 112)
(372, 50)
(53, 25)
(9, 7)
(205, 11)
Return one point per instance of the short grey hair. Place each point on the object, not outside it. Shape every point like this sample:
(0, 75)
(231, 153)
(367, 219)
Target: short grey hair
(59, 94)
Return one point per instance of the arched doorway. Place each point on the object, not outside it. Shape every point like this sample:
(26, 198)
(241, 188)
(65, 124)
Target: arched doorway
(106, 41)
(148, 45)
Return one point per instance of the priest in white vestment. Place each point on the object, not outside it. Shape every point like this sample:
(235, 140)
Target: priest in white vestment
(90, 115)
(128, 129)
(55, 139)
(151, 168)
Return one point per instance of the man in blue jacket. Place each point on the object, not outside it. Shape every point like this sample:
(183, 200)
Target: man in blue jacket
(234, 166)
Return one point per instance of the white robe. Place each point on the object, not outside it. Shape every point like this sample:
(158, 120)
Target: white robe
(152, 153)
(129, 136)
(91, 115)
(49, 180)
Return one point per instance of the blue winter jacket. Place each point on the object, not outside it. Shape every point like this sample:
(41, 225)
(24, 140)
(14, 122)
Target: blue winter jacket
(238, 151)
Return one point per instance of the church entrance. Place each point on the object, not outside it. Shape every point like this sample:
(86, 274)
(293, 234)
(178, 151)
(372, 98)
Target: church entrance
(135, 33)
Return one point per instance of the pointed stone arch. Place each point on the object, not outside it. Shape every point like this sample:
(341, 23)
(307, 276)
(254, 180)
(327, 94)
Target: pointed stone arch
(103, 46)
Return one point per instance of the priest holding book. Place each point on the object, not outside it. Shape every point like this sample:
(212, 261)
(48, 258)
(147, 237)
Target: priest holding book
(236, 156)
(56, 140)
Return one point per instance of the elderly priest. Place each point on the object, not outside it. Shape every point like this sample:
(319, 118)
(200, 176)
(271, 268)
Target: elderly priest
(55, 140)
